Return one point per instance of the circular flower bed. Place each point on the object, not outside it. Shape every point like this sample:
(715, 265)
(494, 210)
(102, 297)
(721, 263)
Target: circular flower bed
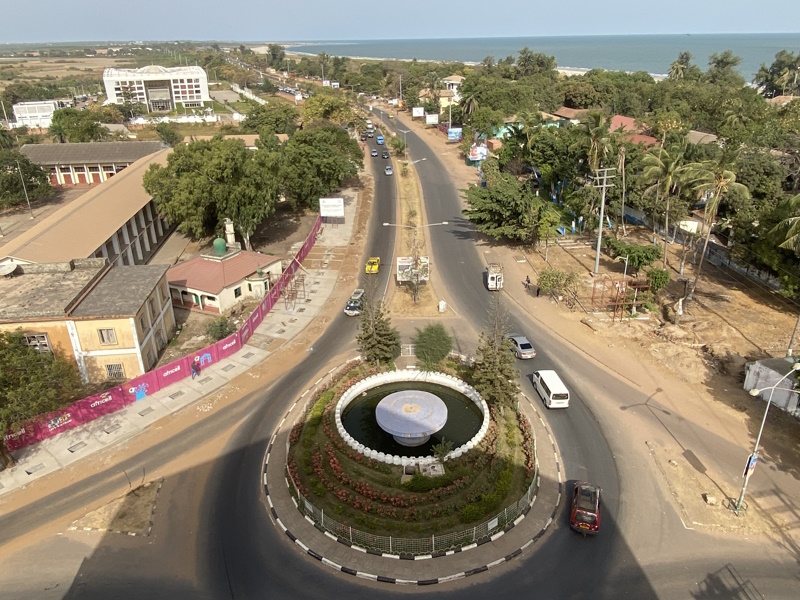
(381, 498)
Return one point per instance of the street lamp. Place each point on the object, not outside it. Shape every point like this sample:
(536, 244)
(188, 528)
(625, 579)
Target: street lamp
(405, 143)
(753, 458)
(415, 261)
(625, 258)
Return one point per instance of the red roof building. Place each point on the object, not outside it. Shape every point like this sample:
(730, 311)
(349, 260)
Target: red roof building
(218, 282)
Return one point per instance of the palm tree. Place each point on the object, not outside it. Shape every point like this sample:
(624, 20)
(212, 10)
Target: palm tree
(621, 156)
(664, 170)
(787, 232)
(6, 140)
(714, 180)
(469, 104)
(595, 139)
(58, 132)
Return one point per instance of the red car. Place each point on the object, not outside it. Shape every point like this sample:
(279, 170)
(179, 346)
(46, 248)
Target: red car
(585, 513)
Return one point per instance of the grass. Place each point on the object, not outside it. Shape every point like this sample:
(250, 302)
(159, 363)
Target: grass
(241, 107)
(369, 495)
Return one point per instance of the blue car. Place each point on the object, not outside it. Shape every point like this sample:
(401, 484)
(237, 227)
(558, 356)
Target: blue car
(379, 139)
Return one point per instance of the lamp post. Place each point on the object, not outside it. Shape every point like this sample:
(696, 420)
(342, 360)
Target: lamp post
(415, 272)
(753, 458)
(405, 143)
(24, 189)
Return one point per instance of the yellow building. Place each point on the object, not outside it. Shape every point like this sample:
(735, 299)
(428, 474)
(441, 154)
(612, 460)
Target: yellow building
(113, 322)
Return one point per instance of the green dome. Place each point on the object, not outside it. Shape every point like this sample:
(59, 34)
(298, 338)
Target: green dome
(220, 247)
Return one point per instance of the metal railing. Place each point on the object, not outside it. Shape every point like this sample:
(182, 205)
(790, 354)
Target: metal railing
(419, 546)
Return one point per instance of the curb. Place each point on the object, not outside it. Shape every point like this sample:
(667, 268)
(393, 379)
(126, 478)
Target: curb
(413, 582)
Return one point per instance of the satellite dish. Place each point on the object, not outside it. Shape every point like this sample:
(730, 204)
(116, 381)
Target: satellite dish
(7, 269)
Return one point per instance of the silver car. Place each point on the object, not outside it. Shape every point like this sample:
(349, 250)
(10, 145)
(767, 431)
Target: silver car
(521, 346)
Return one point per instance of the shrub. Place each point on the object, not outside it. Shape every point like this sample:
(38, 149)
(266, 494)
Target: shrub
(433, 344)
(470, 513)
(659, 279)
(220, 328)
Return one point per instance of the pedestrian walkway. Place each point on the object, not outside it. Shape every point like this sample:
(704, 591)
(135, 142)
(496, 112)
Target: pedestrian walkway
(284, 322)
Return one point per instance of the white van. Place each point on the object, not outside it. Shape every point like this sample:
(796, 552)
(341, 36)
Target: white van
(550, 387)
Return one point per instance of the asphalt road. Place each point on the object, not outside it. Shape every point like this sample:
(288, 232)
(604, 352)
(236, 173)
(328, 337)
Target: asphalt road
(214, 539)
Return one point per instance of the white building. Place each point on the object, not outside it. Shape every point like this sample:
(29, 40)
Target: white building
(38, 114)
(158, 88)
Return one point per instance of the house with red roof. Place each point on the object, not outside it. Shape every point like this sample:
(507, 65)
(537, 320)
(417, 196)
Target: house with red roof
(633, 131)
(219, 281)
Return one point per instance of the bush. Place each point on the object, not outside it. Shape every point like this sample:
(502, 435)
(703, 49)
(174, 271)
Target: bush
(433, 344)
(559, 282)
(220, 328)
(659, 279)
(470, 513)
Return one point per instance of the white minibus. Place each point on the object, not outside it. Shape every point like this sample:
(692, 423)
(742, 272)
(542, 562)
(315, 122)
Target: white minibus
(550, 387)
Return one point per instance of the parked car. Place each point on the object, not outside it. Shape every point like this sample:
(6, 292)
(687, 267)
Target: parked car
(385, 154)
(355, 304)
(388, 171)
(363, 137)
(373, 264)
(522, 347)
(585, 513)
(373, 152)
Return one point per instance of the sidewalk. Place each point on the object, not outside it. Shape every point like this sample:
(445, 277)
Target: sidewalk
(282, 324)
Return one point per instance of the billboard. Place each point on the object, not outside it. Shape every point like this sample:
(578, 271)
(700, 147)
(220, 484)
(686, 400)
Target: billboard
(406, 271)
(326, 83)
(417, 112)
(431, 119)
(454, 134)
(331, 207)
(478, 152)
(335, 85)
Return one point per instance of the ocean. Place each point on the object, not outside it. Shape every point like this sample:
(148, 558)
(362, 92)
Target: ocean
(650, 53)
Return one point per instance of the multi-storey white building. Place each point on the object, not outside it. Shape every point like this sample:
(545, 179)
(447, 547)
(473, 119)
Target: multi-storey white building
(158, 88)
(37, 114)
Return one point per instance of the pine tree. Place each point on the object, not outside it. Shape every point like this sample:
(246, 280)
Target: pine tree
(494, 375)
(378, 341)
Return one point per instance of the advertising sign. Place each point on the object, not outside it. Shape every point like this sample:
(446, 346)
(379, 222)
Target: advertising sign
(228, 346)
(417, 112)
(406, 271)
(431, 119)
(331, 207)
(454, 134)
(335, 85)
(102, 404)
(172, 372)
(140, 387)
(478, 152)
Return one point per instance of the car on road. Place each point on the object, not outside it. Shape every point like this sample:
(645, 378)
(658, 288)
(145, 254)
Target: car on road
(379, 139)
(363, 137)
(373, 152)
(370, 134)
(373, 264)
(385, 154)
(521, 346)
(355, 304)
(585, 511)
(388, 171)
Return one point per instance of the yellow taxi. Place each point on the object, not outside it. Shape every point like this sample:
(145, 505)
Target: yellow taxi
(373, 264)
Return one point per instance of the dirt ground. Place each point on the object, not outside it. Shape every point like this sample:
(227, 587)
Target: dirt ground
(59, 68)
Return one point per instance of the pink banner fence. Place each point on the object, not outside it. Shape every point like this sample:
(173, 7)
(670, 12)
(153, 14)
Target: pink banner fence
(88, 409)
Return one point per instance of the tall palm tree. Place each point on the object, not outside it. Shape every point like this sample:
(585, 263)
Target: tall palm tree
(595, 139)
(469, 104)
(714, 180)
(58, 132)
(664, 170)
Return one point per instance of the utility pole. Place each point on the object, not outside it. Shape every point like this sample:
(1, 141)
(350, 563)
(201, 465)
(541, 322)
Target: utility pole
(24, 189)
(602, 181)
(790, 349)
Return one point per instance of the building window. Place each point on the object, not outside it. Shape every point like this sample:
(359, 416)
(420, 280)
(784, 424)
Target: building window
(237, 292)
(115, 371)
(153, 312)
(249, 287)
(37, 341)
(150, 358)
(107, 336)
(143, 323)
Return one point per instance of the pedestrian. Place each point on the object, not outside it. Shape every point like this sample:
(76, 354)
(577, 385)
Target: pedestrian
(538, 289)
(527, 282)
(195, 369)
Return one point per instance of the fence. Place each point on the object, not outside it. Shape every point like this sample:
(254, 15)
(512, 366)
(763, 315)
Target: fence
(419, 546)
(88, 409)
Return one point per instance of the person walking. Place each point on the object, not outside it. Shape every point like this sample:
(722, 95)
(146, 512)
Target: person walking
(527, 282)
(195, 369)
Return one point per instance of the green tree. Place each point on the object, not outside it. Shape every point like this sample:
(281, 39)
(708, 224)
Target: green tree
(557, 282)
(168, 134)
(220, 328)
(713, 180)
(787, 232)
(6, 140)
(722, 69)
(206, 181)
(378, 341)
(272, 118)
(16, 168)
(683, 69)
(326, 105)
(638, 256)
(32, 383)
(780, 78)
(442, 449)
(432, 345)
(659, 279)
(664, 171)
(494, 374)
(595, 140)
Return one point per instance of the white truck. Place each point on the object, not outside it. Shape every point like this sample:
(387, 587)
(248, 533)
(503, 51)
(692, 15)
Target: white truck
(494, 276)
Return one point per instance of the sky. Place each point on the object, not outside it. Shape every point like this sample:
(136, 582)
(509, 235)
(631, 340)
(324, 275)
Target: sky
(296, 20)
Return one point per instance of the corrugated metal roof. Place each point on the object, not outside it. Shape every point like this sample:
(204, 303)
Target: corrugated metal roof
(121, 292)
(91, 152)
